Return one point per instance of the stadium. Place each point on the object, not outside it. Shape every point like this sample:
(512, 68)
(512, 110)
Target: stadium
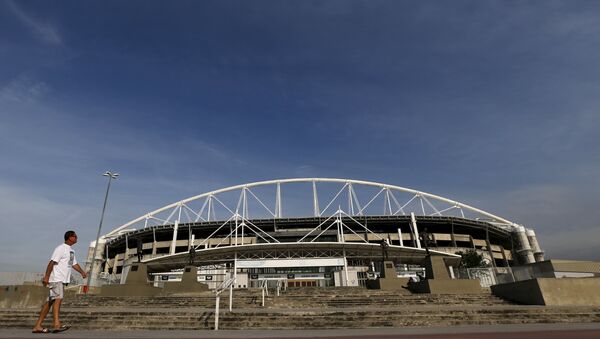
(308, 232)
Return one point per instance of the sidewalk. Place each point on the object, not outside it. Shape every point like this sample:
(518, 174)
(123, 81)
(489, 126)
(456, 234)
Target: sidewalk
(589, 330)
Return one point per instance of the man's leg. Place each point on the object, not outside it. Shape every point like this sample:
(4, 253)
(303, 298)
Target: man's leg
(55, 312)
(43, 313)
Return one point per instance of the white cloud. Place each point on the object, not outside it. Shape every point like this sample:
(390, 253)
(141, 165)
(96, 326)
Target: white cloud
(304, 171)
(564, 216)
(45, 32)
(569, 243)
(24, 89)
(33, 225)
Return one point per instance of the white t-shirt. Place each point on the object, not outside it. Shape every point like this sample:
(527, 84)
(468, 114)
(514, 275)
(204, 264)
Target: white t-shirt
(65, 257)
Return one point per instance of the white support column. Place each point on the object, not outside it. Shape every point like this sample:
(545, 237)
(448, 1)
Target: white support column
(245, 215)
(236, 230)
(231, 297)
(153, 240)
(413, 221)
(243, 227)
(126, 249)
(356, 202)
(234, 275)
(387, 205)
(350, 204)
(244, 204)
(174, 241)
(115, 263)
(400, 237)
(538, 254)
(340, 231)
(345, 267)
(209, 208)
(217, 302)
(235, 266)
(212, 209)
(107, 262)
(179, 214)
(316, 210)
(524, 249)
(97, 260)
(278, 201)
(191, 244)
(189, 236)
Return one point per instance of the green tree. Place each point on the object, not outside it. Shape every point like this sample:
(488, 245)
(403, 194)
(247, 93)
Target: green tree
(472, 259)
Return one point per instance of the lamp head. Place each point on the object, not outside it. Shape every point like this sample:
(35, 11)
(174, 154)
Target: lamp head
(110, 174)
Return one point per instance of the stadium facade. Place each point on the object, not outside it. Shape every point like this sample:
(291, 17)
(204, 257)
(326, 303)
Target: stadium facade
(308, 232)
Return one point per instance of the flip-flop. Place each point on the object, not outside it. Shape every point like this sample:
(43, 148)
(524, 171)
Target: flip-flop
(43, 330)
(62, 328)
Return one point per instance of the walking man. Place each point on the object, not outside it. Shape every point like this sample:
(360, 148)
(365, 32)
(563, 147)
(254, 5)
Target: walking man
(57, 276)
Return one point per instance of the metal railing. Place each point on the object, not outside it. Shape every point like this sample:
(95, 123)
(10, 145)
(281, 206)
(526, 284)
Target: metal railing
(227, 284)
(264, 290)
(281, 283)
(489, 276)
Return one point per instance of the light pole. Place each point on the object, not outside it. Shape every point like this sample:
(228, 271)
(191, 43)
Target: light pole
(110, 176)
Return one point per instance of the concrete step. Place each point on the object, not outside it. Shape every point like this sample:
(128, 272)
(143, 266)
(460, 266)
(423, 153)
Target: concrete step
(171, 302)
(319, 308)
(314, 318)
(288, 299)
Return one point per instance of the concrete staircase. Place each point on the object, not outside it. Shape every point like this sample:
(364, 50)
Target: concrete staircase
(303, 308)
(361, 298)
(242, 299)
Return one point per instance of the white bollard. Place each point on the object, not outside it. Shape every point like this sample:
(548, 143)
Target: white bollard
(217, 312)
(230, 297)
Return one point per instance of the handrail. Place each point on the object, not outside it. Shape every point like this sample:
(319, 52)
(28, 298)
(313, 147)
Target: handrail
(224, 285)
(227, 284)
(264, 289)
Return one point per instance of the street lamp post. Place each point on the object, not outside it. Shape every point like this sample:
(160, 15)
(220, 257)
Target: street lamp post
(110, 176)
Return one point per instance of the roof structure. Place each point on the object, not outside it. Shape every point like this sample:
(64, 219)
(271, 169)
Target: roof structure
(320, 197)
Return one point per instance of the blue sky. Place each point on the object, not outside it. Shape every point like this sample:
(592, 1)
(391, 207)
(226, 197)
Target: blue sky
(492, 103)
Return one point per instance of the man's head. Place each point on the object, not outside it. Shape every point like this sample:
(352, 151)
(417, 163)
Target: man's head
(70, 238)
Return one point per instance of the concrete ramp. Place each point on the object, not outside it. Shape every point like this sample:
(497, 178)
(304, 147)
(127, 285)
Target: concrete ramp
(552, 291)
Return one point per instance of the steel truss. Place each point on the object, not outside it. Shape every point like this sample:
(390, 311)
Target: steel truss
(342, 199)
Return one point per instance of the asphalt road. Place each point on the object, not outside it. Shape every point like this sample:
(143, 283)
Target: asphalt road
(546, 331)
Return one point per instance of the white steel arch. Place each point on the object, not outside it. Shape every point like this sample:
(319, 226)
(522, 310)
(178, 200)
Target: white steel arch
(203, 207)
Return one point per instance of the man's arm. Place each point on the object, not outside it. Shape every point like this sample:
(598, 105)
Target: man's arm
(77, 268)
(49, 269)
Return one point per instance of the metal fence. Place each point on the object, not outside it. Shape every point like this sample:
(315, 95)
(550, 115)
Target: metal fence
(489, 276)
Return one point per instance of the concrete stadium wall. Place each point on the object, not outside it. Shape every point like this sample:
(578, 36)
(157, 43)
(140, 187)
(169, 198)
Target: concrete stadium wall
(568, 266)
(551, 291)
(20, 278)
(123, 248)
(455, 286)
(26, 296)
